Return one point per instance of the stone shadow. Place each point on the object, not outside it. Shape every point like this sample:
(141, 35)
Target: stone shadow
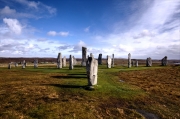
(78, 74)
(70, 76)
(85, 87)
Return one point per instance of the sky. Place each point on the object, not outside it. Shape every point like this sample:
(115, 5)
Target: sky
(43, 28)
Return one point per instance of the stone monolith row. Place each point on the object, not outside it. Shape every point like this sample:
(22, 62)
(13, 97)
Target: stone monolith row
(164, 61)
(108, 61)
(92, 69)
(84, 52)
(129, 60)
(59, 61)
(100, 59)
(70, 62)
(36, 63)
(64, 61)
(149, 62)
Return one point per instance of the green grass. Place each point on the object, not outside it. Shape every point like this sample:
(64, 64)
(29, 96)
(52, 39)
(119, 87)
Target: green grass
(48, 92)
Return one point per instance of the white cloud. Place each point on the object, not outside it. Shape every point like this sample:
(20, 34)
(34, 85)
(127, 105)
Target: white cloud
(38, 6)
(63, 33)
(7, 10)
(13, 25)
(54, 33)
(78, 46)
(156, 26)
(87, 29)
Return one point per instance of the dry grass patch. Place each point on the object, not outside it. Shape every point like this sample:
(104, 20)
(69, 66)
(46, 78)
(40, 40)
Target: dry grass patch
(163, 87)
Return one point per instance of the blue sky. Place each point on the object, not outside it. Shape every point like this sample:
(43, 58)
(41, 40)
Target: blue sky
(42, 28)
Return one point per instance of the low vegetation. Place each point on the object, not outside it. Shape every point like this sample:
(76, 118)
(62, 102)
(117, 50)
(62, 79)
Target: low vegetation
(48, 92)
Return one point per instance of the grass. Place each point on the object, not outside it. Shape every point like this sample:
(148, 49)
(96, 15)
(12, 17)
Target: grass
(48, 92)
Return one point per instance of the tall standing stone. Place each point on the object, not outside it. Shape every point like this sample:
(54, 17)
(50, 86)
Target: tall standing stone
(136, 63)
(164, 61)
(9, 66)
(100, 59)
(36, 63)
(59, 61)
(108, 61)
(149, 62)
(64, 61)
(84, 52)
(129, 60)
(24, 64)
(74, 61)
(92, 69)
(70, 62)
(112, 60)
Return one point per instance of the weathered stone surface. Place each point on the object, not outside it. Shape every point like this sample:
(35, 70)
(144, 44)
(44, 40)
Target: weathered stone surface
(71, 62)
(132, 63)
(74, 61)
(129, 60)
(108, 61)
(16, 64)
(164, 61)
(112, 60)
(136, 63)
(92, 70)
(84, 52)
(64, 61)
(59, 61)
(9, 66)
(24, 64)
(149, 62)
(36, 63)
(100, 59)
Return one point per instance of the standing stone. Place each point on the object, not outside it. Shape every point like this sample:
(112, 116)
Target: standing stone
(100, 59)
(64, 61)
(84, 52)
(24, 64)
(92, 69)
(59, 61)
(16, 64)
(149, 62)
(136, 63)
(108, 61)
(129, 60)
(70, 62)
(132, 63)
(9, 66)
(36, 63)
(164, 61)
(112, 60)
(74, 61)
